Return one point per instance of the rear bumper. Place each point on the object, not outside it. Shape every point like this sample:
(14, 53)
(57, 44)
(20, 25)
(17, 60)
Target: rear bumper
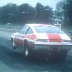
(50, 49)
(52, 46)
(53, 50)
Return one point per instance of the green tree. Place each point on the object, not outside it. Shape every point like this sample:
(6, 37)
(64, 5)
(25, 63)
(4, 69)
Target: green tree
(59, 12)
(11, 13)
(44, 14)
(7, 13)
(26, 13)
(64, 12)
(68, 12)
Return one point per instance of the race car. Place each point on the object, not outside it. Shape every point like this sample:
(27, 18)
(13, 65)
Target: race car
(43, 41)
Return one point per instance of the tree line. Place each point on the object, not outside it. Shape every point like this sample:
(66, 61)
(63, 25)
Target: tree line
(64, 12)
(25, 13)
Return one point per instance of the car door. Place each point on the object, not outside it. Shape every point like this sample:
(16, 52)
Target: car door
(20, 36)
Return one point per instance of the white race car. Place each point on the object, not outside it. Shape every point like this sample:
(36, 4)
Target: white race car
(42, 40)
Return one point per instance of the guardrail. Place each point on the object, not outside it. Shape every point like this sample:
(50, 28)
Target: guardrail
(14, 27)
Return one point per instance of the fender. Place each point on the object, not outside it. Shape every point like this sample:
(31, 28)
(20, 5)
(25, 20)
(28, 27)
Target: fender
(28, 43)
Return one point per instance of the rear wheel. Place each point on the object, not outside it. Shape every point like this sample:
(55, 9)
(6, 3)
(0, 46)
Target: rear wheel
(13, 44)
(59, 57)
(27, 51)
(62, 56)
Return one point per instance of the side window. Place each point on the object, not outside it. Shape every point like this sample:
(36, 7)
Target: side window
(23, 29)
(29, 31)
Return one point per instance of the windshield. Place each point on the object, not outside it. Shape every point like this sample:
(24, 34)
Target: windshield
(48, 29)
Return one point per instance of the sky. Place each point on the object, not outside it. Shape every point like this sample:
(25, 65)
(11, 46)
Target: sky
(51, 3)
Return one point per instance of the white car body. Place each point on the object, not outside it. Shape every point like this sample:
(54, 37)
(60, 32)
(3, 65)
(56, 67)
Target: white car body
(48, 44)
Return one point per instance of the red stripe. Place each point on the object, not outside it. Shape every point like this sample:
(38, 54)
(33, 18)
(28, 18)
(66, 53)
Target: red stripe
(31, 36)
(54, 38)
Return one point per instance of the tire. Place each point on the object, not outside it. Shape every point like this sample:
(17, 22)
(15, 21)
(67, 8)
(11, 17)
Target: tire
(13, 44)
(61, 57)
(27, 51)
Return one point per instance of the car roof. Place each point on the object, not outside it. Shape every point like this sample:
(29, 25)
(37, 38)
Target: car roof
(33, 25)
(36, 25)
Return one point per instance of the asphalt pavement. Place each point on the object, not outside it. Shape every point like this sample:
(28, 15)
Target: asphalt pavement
(13, 61)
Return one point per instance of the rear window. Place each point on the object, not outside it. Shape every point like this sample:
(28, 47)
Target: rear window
(48, 29)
